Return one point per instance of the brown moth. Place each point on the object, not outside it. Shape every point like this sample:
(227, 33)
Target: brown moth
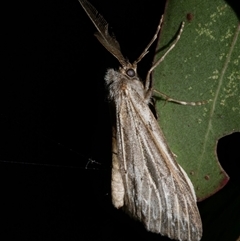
(147, 182)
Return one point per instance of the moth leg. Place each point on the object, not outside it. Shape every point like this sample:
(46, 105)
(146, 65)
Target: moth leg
(148, 96)
(150, 43)
(167, 98)
(117, 181)
(147, 83)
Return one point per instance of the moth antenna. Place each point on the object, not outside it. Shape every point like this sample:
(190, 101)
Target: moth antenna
(107, 40)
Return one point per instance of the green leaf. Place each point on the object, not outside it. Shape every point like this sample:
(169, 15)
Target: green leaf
(204, 65)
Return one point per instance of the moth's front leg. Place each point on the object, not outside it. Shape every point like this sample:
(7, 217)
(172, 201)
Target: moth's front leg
(117, 181)
(148, 95)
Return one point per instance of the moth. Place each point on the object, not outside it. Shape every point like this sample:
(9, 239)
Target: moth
(147, 182)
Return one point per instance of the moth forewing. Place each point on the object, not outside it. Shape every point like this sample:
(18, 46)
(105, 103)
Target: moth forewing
(146, 179)
(157, 191)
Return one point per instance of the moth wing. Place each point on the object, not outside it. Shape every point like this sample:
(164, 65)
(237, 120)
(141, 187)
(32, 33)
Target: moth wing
(158, 191)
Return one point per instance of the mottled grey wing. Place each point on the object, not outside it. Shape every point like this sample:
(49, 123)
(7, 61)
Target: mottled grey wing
(158, 192)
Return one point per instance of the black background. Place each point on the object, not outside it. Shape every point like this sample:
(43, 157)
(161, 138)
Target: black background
(54, 119)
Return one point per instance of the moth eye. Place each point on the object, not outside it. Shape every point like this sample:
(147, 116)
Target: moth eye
(130, 72)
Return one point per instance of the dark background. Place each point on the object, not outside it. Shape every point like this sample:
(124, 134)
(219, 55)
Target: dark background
(54, 120)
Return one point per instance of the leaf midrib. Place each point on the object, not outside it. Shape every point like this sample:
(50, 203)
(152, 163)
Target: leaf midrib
(224, 69)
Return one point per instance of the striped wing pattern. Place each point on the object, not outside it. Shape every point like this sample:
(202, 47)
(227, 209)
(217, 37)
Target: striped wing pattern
(157, 191)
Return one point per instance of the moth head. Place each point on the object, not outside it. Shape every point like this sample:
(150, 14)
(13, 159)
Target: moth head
(129, 70)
